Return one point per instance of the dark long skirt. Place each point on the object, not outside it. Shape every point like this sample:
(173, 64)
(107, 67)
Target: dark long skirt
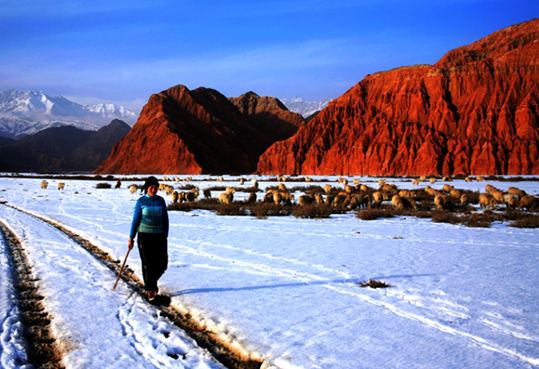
(154, 257)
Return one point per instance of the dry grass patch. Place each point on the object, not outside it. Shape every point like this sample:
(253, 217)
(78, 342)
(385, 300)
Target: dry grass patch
(374, 284)
(313, 211)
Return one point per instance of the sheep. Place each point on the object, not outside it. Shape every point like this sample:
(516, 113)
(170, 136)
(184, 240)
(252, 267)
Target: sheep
(329, 199)
(432, 180)
(467, 179)
(191, 196)
(516, 191)
(255, 183)
(282, 187)
(226, 198)
(44, 185)
(456, 194)
(118, 184)
(61, 185)
(407, 193)
(305, 200)
(308, 179)
(195, 191)
(319, 199)
(431, 191)
(402, 203)
(355, 181)
(169, 189)
(498, 195)
(415, 181)
(175, 196)
(381, 182)
(528, 202)
(242, 181)
(480, 179)
(422, 179)
(377, 198)
(251, 199)
(349, 189)
(287, 198)
(206, 193)
(448, 188)
(487, 201)
(132, 189)
(439, 201)
(359, 201)
(341, 201)
(465, 200)
(511, 200)
(327, 189)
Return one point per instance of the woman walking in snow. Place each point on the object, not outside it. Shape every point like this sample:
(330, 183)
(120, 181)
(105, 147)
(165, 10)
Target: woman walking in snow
(150, 220)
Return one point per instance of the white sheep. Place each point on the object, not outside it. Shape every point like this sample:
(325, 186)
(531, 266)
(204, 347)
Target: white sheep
(44, 185)
(61, 185)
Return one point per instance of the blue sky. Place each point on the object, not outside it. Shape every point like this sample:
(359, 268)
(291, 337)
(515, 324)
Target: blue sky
(124, 51)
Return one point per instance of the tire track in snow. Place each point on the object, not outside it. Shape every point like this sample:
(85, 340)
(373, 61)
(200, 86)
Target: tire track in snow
(231, 356)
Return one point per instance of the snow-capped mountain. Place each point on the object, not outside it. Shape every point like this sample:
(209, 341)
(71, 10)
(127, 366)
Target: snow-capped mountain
(305, 108)
(25, 113)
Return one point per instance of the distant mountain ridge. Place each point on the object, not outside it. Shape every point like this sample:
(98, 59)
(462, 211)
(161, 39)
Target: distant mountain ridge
(61, 149)
(26, 113)
(305, 108)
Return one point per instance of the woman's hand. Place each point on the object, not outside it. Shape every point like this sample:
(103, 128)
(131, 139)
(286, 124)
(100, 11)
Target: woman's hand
(130, 243)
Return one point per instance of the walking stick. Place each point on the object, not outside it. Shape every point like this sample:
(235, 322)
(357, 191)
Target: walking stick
(121, 269)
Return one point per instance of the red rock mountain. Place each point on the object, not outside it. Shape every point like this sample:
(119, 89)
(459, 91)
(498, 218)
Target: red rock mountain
(199, 132)
(474, 112)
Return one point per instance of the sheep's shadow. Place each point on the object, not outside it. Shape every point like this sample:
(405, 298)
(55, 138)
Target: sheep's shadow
(254, 288)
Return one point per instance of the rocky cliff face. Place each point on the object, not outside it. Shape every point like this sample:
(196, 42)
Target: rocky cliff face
(474, 112)
(197, 132)
(268, 115)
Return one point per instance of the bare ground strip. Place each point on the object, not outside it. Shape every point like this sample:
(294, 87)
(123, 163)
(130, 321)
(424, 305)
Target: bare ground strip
(228, 356)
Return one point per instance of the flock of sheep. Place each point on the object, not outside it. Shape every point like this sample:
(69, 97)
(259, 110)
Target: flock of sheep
(356, 195)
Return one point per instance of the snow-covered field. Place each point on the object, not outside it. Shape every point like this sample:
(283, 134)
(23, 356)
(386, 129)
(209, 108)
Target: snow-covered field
(284, 290)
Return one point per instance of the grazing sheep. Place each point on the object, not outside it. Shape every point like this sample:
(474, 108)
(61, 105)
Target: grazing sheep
(439, 201)
(432, 180)
(282, 187)
(287, 198)
(464, 200)
(329, 199)
(422, 179)
(169, 189)
(490, 188)
(431, 191)
(402, 203)
(206, 193)
(226, 198)
(516, 191)
(319, 199)
(416, 181)
(448, 188)
(498, 195)
(255, 183)
(190, 196)
(349, 189)
(327, 189)
(118, 184)
(467, 179)
(341, 201)
(305, 200)
(251, 199)
(308, 179)
(175, 196)
(381, 182)
(377, 198)
(528, 202)
(355, 181)
(511, 200)
(456, 194)
(480, 179)
(44, 185)
(364, 188)
(447, 179)
(61, 185)
(487, 201)
(132, 189)
(407, 193)
(359, 201)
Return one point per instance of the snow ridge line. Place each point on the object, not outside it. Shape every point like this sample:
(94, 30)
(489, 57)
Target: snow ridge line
(40, 346)
(227, 353)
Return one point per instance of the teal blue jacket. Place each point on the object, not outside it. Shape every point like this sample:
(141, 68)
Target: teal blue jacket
(150, 216)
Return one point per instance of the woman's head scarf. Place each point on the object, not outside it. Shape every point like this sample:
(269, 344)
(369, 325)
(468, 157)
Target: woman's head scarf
(150, 181)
